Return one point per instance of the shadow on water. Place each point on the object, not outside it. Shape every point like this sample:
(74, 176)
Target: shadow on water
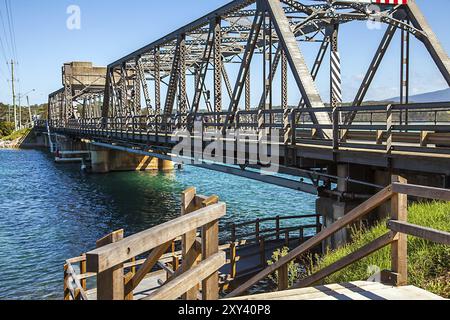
(51, 212)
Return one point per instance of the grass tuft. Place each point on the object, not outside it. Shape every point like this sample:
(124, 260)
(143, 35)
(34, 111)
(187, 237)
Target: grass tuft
(428, 263)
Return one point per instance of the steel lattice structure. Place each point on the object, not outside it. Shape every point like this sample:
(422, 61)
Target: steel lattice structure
(234, 34)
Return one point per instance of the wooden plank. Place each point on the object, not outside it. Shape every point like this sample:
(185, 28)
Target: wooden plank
(73, 275)
(188, 205)
(399, 249)
(422, 191)
(148, 265)
(110, 283)
(429, 234)
(189, 279)
(357, 213)
(66, 283)
(365, 251)
(210, 247)
(113, 254)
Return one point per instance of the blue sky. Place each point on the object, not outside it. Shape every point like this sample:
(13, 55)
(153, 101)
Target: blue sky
(44, 43)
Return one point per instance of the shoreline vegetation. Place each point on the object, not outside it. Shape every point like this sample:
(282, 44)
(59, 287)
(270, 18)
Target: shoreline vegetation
(428, 263)
(14, 139)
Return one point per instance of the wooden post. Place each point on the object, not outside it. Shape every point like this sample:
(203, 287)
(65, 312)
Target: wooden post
(188, 239)
(133, 267)
(302, 235)
(257, 229)
(233, 233)
(286, 238)
(83, 271)
(318, 224)
(66, 287)
(283, 278)
(233, 270)
(278, 227)
(399, 248)
(210, 247)
(110, 283)
(262, 249)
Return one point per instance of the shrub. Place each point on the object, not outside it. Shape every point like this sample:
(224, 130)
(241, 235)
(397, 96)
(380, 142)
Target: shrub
(293, 268)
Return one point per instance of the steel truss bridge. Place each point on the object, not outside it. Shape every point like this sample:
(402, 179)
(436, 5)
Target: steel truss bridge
(204, 72)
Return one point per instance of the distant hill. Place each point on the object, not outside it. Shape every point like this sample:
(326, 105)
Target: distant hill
(436, 96)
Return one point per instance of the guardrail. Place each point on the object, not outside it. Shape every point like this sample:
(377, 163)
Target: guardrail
(397, 193)
(423, 128)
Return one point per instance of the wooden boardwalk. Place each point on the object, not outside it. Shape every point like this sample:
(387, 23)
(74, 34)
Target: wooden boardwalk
(348, 291)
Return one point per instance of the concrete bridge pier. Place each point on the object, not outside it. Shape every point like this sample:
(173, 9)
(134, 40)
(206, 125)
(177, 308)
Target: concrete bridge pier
(105, 160)
(333, 205)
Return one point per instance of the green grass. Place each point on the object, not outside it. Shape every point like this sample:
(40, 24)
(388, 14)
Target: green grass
(17, 135)
(428, 263)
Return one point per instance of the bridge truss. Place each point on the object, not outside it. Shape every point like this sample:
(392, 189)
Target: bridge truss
(205, 70)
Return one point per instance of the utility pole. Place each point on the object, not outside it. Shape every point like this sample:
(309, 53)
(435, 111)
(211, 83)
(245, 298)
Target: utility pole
(13, 94)
(20, 112)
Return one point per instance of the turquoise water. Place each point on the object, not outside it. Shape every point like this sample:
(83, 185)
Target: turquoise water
(50, 212)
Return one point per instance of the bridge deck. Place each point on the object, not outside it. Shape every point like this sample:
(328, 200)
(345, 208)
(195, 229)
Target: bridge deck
(349, 291)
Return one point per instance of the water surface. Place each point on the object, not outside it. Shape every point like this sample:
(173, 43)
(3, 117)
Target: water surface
(51, 212)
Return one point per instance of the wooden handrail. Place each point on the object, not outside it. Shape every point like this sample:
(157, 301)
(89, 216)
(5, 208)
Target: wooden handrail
(367, 250)
(357, 213)
(189, 279)
(429, 234)
(422, 191)
(111, 255)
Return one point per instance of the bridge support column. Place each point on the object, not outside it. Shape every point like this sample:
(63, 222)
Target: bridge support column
(106, 160)
(345, 198)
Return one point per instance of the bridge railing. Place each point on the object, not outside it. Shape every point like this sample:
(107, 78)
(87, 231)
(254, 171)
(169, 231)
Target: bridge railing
(397, 193)
(419, 127)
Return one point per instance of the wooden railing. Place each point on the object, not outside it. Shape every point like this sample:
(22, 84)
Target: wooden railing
(397, 193)
(200, 262)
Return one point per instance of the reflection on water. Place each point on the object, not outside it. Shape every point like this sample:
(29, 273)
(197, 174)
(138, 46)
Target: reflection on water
(50, 212)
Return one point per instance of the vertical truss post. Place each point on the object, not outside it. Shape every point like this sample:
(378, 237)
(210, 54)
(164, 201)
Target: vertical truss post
(143, 81)
(263, 106)
(247, 92)
(157, 77)
(404, 74)
(138, 79)
(107, 98)
(182, 78)
(173, 82)
(335, 84)
(284, 99)
(218, 65)
(124, 108)
(69, 112)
